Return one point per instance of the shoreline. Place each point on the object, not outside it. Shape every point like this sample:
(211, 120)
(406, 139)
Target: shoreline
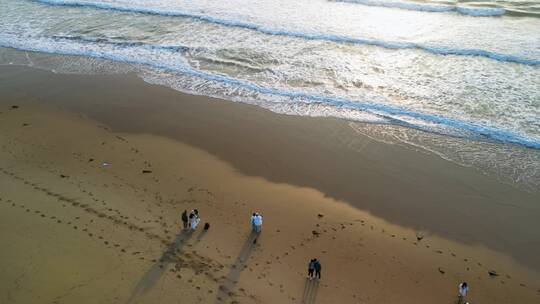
(427, 192)
(320, 164)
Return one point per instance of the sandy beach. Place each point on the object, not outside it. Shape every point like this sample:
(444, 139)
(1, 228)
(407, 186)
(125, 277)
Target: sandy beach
(96, 170)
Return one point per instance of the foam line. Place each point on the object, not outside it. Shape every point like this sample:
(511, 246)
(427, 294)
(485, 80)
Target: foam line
(301, 35)
(395, 115)
(432, 8)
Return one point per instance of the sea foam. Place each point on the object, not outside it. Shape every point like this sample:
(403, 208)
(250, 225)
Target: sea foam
(165, 58)
(436, 50)
(433, 8)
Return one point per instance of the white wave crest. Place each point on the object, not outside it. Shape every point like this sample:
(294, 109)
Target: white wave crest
(433, 8)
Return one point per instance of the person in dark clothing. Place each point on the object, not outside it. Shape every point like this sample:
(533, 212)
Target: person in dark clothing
(311, 269)
(317, 266)
(185, 219)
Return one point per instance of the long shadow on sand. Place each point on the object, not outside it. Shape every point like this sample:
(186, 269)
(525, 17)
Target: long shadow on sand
(237, 268)
(199, 237)
(152, 276)
(310, 291)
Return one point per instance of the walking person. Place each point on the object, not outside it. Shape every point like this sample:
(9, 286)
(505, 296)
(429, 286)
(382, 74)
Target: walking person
(257, 222)
(463, 289)
(256, 226)
(311, 269)
(185, 219)
(317, 266)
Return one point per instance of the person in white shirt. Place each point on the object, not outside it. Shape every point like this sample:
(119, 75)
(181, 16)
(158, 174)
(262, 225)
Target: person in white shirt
(463, 289)
(193, 221)
(257, 222)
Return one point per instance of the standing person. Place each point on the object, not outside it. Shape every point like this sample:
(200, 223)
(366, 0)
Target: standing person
(190, 218)
(253, 221)
(185, 219)
(463, 289)
(311, 269)
(317, 266)
(194, 221)
(257, 221)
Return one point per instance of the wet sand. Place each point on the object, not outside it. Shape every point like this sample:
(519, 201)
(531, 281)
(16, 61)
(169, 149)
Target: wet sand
(396, 225)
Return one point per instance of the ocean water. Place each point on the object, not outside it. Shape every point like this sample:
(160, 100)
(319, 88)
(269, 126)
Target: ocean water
(458, 79)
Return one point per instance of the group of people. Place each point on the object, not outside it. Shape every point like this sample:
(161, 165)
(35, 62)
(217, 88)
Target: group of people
(192, 220)
(314, 269)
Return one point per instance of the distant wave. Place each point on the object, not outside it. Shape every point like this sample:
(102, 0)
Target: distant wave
(437, 50)
(134, 54)
(434, 8)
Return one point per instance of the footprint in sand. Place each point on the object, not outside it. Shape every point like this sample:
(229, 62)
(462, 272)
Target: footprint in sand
(493, 273)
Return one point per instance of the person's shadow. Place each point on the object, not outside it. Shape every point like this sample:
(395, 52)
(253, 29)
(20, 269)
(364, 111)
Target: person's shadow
(237, 267)
(152, 276)
(310, 291)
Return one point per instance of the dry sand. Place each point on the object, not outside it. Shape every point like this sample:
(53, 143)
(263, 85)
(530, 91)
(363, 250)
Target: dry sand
(77, 231)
